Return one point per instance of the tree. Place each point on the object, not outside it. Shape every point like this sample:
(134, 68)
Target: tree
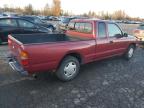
(29, 10)
(119, 15)
(56, 8)
(85, 15)
(47, 10)
(106, 16)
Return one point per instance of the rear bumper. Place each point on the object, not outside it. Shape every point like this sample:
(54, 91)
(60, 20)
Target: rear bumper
(16, 66)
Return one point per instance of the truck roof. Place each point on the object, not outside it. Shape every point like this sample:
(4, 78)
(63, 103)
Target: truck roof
(91, 19)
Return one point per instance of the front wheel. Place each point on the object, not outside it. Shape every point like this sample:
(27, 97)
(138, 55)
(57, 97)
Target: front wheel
(68, 69)
(130, 51)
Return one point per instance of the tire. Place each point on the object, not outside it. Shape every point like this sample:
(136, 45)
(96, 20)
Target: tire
(68, 69)
(129, 53)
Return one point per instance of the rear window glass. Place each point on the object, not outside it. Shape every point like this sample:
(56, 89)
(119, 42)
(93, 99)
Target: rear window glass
(77, 26)
(83, 27)
(88, 27)
(8, 22)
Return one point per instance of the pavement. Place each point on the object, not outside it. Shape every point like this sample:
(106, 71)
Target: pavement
(111, 83)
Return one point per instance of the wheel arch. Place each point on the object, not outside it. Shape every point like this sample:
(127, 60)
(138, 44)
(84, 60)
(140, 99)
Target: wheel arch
(133, 44)
(73, 54)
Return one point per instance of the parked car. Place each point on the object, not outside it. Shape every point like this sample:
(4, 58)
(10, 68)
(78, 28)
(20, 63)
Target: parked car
(139, 32)
(1, 14)
(64, 23)
(51, 18)
(15, 25)
(40, 22)
(47, 18)
(85, 41)
(10, 14)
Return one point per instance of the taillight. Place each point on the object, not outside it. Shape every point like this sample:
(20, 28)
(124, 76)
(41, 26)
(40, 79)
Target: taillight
(24, 62)
(23, 55)
(24, 58)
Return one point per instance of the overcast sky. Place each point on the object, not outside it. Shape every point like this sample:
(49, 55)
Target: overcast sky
(133, 8)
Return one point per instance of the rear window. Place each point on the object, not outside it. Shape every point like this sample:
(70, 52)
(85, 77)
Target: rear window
(83, 27)
(8, 22)
(88, 28)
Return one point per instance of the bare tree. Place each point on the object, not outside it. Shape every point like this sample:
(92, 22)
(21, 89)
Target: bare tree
(119, 15)
(56, 8)
(47, 10)
(29, 10)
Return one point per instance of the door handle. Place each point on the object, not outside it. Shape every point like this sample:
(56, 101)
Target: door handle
(111, 42)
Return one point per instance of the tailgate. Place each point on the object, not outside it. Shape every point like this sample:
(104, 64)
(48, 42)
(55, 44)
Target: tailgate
(14, 47)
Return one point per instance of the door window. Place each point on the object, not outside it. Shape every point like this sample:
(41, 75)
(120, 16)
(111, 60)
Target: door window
(113, 30)
(26, 24)
(101, 30)
(8, 22)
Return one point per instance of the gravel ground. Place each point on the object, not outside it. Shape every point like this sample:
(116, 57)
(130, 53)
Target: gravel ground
(112, 83)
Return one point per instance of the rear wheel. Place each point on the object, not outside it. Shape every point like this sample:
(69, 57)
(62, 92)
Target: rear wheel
(130, 51)
(68, 69)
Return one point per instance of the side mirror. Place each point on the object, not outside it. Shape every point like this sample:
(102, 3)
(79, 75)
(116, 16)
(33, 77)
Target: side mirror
(125, 35)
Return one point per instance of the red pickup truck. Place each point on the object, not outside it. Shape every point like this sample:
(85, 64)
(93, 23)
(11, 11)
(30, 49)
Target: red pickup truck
(85, 41)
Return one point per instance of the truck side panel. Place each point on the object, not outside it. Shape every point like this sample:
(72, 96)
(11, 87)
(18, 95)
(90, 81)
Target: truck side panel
(44, 57)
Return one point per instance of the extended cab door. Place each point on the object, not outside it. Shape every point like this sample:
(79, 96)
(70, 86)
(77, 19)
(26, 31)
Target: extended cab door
(82, 33)
(117, 42)
(102, 42)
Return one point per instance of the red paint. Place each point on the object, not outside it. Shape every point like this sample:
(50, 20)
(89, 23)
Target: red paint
(45, 57)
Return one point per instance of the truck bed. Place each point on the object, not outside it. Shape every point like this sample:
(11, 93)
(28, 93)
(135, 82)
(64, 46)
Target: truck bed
(40, 38)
